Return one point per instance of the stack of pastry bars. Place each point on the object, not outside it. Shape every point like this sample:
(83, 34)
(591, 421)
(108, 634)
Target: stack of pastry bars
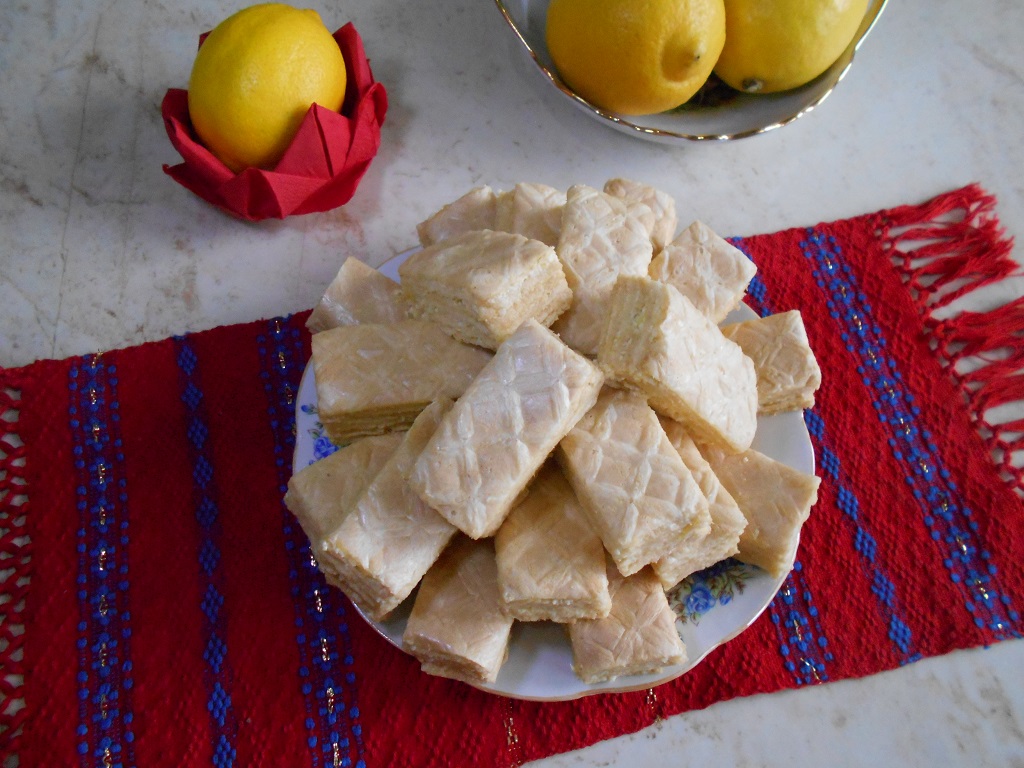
(545, 421)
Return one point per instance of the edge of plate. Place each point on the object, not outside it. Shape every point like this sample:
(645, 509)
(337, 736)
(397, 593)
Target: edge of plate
(625, 125)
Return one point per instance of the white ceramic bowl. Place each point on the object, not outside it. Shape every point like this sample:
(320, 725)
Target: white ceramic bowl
(738, 116)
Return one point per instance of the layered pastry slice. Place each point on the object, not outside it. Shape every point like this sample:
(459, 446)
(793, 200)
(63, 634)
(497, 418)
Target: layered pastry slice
(775, 499)
(706, 269)
(639, 496)
(551, 564)
(600, 239)
(322, 494)
(458, 627)
(481, 286)
(787, 371)
(372, 378)
(727, 521)
(358, 294)
(533, 210)
(655, 209)
(638, 636)
(656, 341)
(477, 209)
(390, 538)
(489, 446)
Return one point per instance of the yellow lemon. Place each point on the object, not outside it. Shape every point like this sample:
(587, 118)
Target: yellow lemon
(635, 57)
(775, 45)
(254, 79)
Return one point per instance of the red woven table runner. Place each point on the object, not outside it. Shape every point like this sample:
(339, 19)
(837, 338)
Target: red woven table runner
(172, 616)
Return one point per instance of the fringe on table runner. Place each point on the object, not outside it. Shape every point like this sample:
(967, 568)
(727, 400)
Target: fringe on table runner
(945, 249)
(15, 558)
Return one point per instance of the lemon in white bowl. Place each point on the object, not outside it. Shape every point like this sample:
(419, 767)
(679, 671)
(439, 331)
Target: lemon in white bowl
(730, 116)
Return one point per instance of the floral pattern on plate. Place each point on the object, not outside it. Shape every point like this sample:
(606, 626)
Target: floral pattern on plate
(318, 439)
(699, 593)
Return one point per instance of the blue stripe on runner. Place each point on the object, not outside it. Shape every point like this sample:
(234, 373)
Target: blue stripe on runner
(812, 668)
(105, 727)
(334, 732)
(217, 674)
(849, 504)
(803, 644)
(948, 519)
(864, 543)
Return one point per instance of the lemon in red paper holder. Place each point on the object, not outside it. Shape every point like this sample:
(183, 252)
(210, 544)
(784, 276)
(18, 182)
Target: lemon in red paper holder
(635, 57)
(254, 79)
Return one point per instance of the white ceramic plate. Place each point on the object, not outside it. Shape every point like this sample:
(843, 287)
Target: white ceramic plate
(712, 607)
(740, 116)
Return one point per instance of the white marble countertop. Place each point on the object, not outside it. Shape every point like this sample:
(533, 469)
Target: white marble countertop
(101, 250)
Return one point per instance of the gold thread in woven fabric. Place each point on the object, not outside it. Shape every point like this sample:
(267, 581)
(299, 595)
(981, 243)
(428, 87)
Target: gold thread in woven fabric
(799, 637)
(282, 364)
(651, 700)
(319, 601)
(330, 700)
(515, 754)
(798, 633)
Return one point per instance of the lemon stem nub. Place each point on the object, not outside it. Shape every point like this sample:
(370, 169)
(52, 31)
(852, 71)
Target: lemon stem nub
(752, 85)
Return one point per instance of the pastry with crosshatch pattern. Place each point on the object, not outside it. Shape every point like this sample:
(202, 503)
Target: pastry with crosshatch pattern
(498, 434)
(390, 538)
(322, 494)
(599, 240)
(639, 496)
(637, 637)
(657, 342)
(654, 208)
(373, 378)
(706, 269)
(727, 521)
(775, 499)
(551, 564)
(358, 294)
(458, 627)
(787, 371)
(477, 209)
(481, 286)
(533, 210)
